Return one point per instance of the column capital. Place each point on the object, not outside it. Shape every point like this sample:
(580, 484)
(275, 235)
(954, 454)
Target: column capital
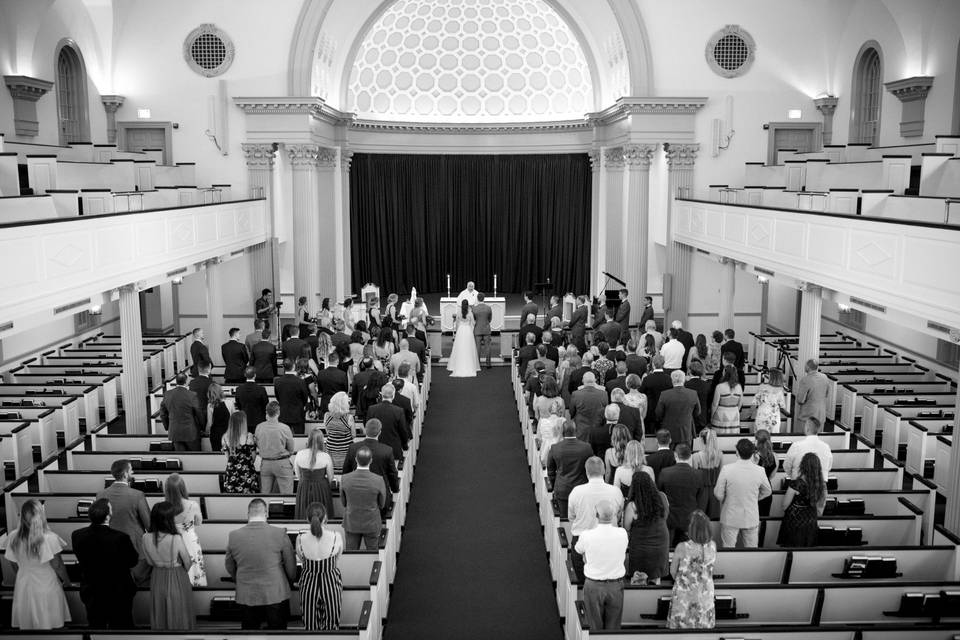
(303, 155)
(346, 159)
(638, 155)
(681, 156)
(128, 288)
(259, 154)
(826, 105)
(112, 102)
(613, 158)
(596, 159)
(327, 157)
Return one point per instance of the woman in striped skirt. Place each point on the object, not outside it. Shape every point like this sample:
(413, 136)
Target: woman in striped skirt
(321, 586)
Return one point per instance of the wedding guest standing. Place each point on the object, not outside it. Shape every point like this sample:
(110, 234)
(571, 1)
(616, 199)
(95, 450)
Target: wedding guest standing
(171, 595)
(129, 511)
(187, 518)
(241, 475)
(34, 551)
(634, 460)
(218, 416)
(806, 497)
(766, 458)
(106, 557)
(768, 402)
(313, 467)
(321, 585)
(708, 462)
(364, 495)
(645, 519)
(727, 398)
(338, 424)
(811, 395)
(740, 487)
(692, 606)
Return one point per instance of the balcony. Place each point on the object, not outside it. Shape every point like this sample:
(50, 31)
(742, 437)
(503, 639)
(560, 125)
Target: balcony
(904, 265)
(63, 264)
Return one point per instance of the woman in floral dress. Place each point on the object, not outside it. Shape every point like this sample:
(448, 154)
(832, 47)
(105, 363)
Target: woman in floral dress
(768, 401)
(692, 604)
(241, 475)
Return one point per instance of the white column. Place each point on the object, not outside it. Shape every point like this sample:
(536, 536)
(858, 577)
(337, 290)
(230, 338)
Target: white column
(636, 237)
(811, 304)
(728, 284)
(764, 304)
(133, 379)
(217, 335)
(331, 241)
(344, 257)
(306, 222)
(952, 515)
(260, 163)
(613, 164)
(598, 246)
(680, 162)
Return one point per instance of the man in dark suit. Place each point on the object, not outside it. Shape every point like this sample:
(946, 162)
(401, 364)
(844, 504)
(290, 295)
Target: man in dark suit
(198, 352)
(331, 380)
(200, 386)
(106, 557)
(566, 465)
(652, 386)
(555, 311)
(483, 315)
(313, 341)
(363, 376)
(382, 463)
(235, 357)
(364, 495)
(526, 354)
(629, 416)
(587, 404)
(292, 394)
(292, 348)
(663, 457)
(394, 429)
(578, 324)
(254, 336)
(636, 363)
(252, 399)
(701, 387)
(578, 369)
(181, 417)
(622, 316)
(529, 307)
(549, 366)
(678, 409)
(732, 346)
(685, 491)
(262, 563)
(340, 339)
(620, 381)
(129, 511)
(402, 401)
(418, 346)
(611, 330)
(647, 313)
(263, 358)
(529, 325)
(598, 436)
(553, 354)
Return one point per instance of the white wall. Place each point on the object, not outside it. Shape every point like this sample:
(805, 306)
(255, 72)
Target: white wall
(705, 299)
(31, 342)
(238, 299)
(782, 307)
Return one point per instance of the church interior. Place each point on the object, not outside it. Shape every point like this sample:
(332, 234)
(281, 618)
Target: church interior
(162, 164)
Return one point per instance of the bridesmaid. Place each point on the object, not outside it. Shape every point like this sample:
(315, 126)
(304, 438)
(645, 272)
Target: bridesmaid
(321, 585)
(313, 467)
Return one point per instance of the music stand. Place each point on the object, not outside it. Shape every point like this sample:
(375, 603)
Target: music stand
(541, 288)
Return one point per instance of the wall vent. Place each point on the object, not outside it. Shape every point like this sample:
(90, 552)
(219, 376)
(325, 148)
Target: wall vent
(763, 271)
(868, 305)
(938, 327)
(6, 326)
(71, 306)
(176, 272)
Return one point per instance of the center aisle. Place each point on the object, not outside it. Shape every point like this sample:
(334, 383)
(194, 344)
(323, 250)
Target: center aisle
(472, 563)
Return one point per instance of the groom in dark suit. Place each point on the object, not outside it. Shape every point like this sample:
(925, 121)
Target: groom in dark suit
(483, 315)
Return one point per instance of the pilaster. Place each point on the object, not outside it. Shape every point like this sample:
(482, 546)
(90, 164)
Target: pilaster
(25, 92)
(110, 104)
(912, 93)
(344, 257)
(811, 306)
(613, 164)
(728, 283)
(306, 222)
(260, 169)
(636, 237)
(331, 238)
(598, 248)
(133, 378)
(827, 106)
(680, 162)
(213, 273)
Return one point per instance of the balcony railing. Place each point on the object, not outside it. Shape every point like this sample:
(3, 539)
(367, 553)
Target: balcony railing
(908, 266)
(60, 263)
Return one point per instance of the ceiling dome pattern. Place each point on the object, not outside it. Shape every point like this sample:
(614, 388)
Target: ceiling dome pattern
(470, 61)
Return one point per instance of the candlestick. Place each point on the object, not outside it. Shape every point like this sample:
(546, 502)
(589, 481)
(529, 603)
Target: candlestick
(494, 285)
(448, 285)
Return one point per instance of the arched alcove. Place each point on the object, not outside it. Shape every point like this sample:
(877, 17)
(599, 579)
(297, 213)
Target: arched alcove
(867, 88)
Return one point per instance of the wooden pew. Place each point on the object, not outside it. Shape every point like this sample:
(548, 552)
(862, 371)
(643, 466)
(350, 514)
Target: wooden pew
(859, 603)
(895, 431)
(86, 394)
(16, 447)
(105, 384)
(850, 395)
(27, 208)
(875, 405)
(942, 464)
(66, 410)
(153, 357)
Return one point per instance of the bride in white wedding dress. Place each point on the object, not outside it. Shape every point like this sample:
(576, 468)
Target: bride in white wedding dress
(464, 361)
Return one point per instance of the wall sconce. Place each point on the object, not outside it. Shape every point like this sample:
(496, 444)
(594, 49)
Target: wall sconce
(95, 310)
(794, 114)
(763, 279)
(844, 308)
(177, 280)
(143, 114)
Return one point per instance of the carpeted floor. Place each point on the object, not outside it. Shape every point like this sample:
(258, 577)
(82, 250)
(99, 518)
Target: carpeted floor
(473, 563)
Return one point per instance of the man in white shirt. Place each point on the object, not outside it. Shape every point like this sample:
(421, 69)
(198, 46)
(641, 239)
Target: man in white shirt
(739, 486)
(582, 505)
(604, 547)
(673, 352)
(811, 444)
(469, 294)
(405, 355)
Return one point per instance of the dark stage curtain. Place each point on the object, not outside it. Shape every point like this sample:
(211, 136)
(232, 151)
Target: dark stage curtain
(416, 218)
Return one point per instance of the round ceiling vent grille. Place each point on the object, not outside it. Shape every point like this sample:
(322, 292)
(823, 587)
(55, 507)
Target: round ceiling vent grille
(730, 51)
(208, 50)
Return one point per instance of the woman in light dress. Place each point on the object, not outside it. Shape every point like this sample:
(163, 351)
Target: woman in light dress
(614, 456)
(550, 428)
(34, 551)
(187, 518)
(727, 399)
(692, 606)
(708, 461)
(464, 361)
(768, 402)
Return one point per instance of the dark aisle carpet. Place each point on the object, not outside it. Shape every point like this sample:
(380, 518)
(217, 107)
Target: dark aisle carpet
(472, 562)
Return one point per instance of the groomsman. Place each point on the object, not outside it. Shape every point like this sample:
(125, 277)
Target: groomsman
(529, 306)
(235, 357)
(622, 316)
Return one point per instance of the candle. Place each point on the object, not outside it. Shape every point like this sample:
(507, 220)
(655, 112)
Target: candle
(448, 282)
(494, 284)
